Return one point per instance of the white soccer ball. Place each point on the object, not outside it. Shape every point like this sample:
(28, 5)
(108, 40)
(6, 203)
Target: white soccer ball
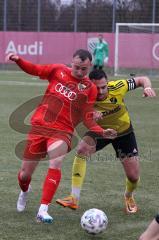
(94, 221)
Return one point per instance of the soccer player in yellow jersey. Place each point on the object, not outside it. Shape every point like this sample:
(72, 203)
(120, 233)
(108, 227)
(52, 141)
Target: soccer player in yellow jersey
(111, 112)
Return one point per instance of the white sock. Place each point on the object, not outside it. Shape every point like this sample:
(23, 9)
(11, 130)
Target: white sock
(24, 193)
(76, 192)
(43, 208)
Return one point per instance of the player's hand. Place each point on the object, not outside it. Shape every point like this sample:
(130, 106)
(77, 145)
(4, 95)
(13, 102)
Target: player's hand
(106, 60)
(149, 92)
(97, 115)
(110, 133)
(12, 57)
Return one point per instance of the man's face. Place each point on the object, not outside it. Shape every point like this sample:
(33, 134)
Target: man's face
(100, 38)
(80, 68)
(102, 88)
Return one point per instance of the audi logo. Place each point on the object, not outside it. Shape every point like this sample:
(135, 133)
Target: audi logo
(63, 90)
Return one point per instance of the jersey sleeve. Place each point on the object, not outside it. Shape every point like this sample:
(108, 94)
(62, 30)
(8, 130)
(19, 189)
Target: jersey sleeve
(87, 112)
(43, 71)
(121, 86)
(106, 49)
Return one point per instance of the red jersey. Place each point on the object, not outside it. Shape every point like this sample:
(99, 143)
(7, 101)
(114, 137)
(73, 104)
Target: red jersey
(67, 100)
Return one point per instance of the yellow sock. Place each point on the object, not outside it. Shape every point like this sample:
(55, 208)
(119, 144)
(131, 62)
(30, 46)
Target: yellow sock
(131, 186)
(78, 174)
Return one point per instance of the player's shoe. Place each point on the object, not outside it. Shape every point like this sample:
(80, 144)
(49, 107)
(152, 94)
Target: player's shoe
(44, 217)
(69, 201)
(22, 200)
(130, 204)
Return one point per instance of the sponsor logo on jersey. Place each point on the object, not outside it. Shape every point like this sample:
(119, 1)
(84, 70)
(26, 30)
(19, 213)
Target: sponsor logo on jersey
(81, 87)
(62, 74)
(109, 112)
(65, 91)
(113, 100)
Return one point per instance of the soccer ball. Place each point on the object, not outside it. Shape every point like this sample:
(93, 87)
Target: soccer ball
(94, 221)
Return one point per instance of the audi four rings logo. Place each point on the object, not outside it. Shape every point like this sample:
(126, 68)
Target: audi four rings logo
(65, 91)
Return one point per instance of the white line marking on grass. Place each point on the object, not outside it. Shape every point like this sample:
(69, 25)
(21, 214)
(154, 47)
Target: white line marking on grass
(18, 83)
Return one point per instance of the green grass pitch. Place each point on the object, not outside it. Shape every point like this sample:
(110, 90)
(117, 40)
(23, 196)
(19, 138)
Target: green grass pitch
(105, 180)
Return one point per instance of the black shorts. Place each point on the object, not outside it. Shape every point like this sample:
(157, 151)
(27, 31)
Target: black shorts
(124, 146)
(157, 218)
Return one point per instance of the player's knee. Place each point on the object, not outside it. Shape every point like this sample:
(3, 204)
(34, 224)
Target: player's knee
(133, 177)
(24, 175)
(84, 150)
(55, 163)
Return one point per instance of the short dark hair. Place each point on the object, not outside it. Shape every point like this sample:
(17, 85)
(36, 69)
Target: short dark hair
(83, 54)
(97, 74)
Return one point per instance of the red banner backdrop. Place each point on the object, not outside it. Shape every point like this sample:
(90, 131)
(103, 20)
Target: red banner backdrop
(135, 50)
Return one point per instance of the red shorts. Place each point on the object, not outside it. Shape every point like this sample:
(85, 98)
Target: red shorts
(38, 142)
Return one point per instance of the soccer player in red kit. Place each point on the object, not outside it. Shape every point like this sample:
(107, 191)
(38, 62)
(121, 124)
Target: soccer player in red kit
(68, 100)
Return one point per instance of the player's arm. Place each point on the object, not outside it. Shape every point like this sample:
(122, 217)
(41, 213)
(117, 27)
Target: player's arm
(43, 71)
(145, 83)
(94, 51)
(106, 50)
(152, 232)
(90, 123)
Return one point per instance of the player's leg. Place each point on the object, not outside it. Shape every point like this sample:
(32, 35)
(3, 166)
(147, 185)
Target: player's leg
(131, 167)
(56, 151)
(96, 63)
(34, 151)
(152, 232)
(90, 143)
(24, 179)
(85, 148)
(127, 151)
(101, 63)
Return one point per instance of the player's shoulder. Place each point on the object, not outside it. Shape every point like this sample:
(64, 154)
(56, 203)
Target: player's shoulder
(117, 84)
(61, 70)
(88, 86)
(59, 66)
(54, 68)
(122, 86)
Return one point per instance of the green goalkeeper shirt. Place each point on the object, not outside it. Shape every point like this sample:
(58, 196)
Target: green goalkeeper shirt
(101, 50)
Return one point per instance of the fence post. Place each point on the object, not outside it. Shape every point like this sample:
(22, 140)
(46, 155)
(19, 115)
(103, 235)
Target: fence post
(154, 11)
(114, 16)
(39, 16)
(19, 14)
(153, 14)
(75, 15)
(5, 16)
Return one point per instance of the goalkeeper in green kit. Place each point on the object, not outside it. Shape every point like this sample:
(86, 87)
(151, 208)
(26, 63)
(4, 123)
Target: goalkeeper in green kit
(101, 53)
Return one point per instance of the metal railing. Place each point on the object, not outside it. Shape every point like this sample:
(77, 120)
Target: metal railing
(74, 15)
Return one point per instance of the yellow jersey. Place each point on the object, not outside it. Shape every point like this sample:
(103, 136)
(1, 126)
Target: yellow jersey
(113, 108)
